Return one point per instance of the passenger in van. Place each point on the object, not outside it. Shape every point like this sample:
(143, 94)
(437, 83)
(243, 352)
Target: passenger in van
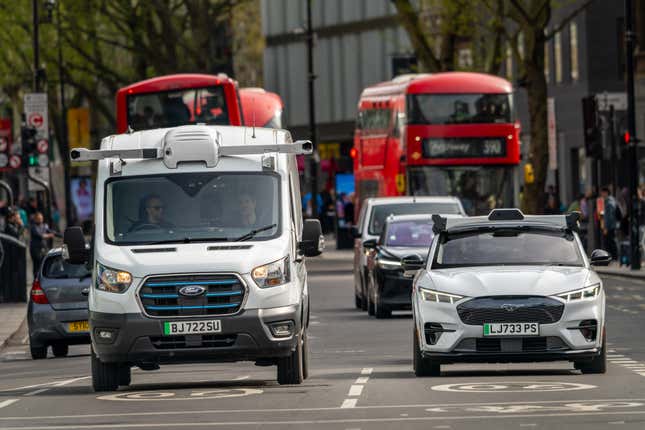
(151, 214)
(247, 208)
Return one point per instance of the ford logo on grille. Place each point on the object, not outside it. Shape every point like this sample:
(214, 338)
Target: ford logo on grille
(192, 290)
(511, 308)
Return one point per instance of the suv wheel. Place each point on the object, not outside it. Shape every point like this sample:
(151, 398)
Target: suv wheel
(598, 364)
(60, 350)
(381, 311)
(291, 368)
(105, 376)
(423, 366)
(125, 375)
(38, 352)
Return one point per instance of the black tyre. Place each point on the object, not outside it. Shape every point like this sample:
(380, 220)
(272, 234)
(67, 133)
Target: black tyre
(423, 366)
(371, 309)
(291, 369)
(60, 350)
(305, 355)
(125, 375)
(381, 311)
(105, 376)
(38, 352)
(598, 364)
(363, 295)
(358, 302)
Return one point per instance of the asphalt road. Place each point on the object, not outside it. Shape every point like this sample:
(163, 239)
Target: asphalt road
(361, 378)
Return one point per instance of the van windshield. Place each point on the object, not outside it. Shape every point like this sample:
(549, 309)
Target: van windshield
(192, 207)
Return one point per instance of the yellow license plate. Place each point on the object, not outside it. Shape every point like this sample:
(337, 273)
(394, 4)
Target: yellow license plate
(79, 326)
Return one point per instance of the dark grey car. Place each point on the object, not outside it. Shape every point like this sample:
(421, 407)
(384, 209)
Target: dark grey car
(57, 314)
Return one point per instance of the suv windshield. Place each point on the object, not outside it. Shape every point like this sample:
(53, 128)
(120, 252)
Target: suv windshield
(57, 267)
(186, 207)
(507, 247)
(381, 212)
(180, 107)
(417, 233)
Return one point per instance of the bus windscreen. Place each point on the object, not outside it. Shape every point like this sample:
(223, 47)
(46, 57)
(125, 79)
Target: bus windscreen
(178, 107)
(459, 108)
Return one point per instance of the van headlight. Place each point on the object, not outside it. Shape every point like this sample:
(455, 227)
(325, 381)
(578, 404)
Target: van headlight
(438, 296)
(112, 280)
(272, 274)
(590, 292)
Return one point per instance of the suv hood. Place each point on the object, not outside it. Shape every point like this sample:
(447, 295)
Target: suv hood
(507, 280)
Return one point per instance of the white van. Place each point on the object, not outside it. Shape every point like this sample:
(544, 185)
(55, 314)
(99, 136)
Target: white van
(198, 251)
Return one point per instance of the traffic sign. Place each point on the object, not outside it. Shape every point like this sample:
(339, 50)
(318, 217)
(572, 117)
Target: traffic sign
(43, 160)
(36, 113)
(3, 160)
(15, 161)
(42, 146)
(4, 144)
(36, 120)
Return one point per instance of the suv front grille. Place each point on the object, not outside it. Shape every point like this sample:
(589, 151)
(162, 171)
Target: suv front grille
(512, 345)
(499, 309)
(160, 297)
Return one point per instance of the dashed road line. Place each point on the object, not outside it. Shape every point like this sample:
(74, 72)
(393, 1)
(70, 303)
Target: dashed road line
(349, 403)
(33, 393)
(357, 388)
(367, 371)
(7, 402)
(626, 362)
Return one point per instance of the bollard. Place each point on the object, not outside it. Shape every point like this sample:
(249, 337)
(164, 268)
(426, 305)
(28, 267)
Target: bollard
(13, 270)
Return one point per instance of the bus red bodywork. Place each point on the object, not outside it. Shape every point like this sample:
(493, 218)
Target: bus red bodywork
(449, 133)
(261, 108)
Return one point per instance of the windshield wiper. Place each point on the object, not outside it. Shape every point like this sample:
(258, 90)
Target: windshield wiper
(185, 240)
(252, 233)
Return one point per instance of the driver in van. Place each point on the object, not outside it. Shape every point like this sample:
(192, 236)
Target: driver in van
(151, 214)
(247, 209)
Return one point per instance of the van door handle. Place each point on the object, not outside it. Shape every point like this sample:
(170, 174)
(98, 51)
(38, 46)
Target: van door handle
(85, 291)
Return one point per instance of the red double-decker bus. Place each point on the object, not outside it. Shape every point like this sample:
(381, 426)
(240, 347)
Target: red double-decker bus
(451, 133)
(261, 108)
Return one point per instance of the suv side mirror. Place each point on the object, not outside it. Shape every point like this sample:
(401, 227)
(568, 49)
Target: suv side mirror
(600, 257)
(75, 250)
(411, 264)
(369, 244)
(313, 240)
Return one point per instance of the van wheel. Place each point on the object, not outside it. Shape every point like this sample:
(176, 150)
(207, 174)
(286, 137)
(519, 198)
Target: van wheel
(597, 365)
(125, 375)
(305, 355)
(423, 366)
(105, 376)
(291, 369)
(60, 350)
(38, 352)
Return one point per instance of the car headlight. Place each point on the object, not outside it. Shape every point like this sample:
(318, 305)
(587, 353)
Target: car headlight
(112, 280)
(387, 264)
(438, 296)
(272, 274)
(590, 292)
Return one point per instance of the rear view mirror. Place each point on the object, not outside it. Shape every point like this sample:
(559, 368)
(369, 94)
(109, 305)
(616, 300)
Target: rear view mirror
(411, 264)
(369, 244)
(600, 257)
(313, 240)
(75, 249)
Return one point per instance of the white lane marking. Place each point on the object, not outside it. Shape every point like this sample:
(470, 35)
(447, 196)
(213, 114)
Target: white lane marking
(69, 381)
(349, 403)
(616, 422)
(355, 390)
(367, 371)
(623, 361)
(33, 393)
(7, 402)
(362, 380)
(528, 425)
(48, 384)
(610, 356)
(442, 427)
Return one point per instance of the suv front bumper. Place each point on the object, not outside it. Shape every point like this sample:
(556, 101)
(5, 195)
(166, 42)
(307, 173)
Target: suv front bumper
(244, 337)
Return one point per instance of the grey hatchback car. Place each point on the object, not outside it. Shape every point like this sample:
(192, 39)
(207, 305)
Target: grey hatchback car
(57, 315)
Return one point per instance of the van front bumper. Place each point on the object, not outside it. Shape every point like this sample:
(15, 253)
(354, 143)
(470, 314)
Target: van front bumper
(246, 336)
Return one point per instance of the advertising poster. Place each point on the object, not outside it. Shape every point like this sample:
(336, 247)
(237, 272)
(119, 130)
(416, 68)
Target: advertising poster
(82, 197)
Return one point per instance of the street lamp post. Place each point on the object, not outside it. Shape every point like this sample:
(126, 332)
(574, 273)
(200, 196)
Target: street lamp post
(313, 135)
(633, 142)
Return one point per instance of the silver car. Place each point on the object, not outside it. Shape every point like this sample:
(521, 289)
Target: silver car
(57, 314)
(508, 288)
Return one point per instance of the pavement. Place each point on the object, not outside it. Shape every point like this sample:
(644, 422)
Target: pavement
(360, 378)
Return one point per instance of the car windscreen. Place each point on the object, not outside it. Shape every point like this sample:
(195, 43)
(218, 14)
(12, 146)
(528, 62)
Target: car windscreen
(180, 107)
(414, 233)
(459, 108)
(56, 267)
(381, 212)
(510, 246)
(187, 207)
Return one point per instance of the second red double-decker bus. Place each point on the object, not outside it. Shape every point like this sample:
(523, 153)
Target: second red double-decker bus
(450, 133)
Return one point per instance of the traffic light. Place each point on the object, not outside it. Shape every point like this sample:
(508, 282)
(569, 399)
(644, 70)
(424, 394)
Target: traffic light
(590, 126)
(29, 146)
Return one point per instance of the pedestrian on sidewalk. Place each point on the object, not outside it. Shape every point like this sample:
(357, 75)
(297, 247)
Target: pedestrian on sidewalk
(14, 226)
(609, 222)
(41, 234)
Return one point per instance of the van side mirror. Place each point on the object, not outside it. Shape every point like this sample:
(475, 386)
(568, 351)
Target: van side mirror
(600, 257)
(313, 241)
(75, 250)
(369, 244)
(355, 233)
(411, 264)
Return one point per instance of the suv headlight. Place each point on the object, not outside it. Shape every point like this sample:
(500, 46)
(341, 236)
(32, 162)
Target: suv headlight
(438, 296)
(590, 292)
(387, 264)
(112, 280)
(272, 274)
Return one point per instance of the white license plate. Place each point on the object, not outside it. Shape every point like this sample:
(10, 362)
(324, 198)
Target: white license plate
(512, 329)
(191, 327)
